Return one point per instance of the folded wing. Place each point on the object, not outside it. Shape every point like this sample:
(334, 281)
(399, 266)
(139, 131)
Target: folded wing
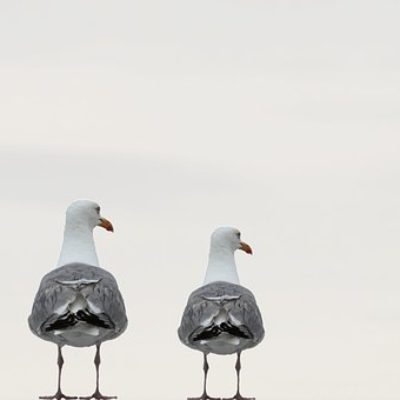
(221, 308)
(74, 293)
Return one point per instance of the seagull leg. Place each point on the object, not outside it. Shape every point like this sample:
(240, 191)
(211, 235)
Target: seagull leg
(59, 394)
(238, 396)
(204, 396)
(97, 395)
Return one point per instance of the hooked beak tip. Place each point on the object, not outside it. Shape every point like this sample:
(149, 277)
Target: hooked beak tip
(246, 248)
(106, 224)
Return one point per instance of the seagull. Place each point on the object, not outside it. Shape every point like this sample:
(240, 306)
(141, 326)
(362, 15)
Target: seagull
(222, 317)
(78, 303)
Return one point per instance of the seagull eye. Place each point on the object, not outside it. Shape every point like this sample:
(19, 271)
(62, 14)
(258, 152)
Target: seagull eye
(98, 210)
(238, 235)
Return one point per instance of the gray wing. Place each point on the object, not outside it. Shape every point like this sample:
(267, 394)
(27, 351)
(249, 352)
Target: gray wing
(59, 287)
(205, 303)
(107, 297)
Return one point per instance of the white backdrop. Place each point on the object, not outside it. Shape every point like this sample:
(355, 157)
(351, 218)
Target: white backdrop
(280, 118)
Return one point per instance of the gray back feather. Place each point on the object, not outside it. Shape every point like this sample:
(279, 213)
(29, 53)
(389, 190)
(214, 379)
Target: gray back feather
(52, 294)
(202, 306)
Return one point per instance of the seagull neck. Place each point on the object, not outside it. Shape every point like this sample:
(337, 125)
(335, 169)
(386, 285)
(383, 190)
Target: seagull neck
(78, 246)
(221, 266)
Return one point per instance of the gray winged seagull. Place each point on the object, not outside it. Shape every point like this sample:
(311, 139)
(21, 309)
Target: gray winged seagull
(222, 317)
(79, 304)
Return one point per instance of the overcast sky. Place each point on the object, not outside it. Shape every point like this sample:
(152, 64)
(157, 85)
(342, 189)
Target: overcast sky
(278, 117)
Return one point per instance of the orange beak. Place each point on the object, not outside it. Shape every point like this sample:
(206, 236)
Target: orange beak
(246, 248)
(106, 224)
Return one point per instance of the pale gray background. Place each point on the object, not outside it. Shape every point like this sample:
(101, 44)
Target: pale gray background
(278, 117)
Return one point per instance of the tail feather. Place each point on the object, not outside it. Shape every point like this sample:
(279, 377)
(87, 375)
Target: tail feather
(208, 333)
(100, 320)
(64, 321)
(70, 319)
(213, 331)
(239, 331)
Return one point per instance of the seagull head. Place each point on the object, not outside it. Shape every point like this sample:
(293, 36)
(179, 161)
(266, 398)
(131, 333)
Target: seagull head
(228, 238)
(87, 213)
